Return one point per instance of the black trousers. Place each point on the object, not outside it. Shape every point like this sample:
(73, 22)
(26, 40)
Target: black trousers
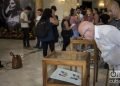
(66, 42)
(0, 63)
(45, 45)
(26, 37)
(38, 44)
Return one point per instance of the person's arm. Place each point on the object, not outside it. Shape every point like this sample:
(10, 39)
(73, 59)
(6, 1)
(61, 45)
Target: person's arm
(22, 19)
(66, 25)
(54, 21)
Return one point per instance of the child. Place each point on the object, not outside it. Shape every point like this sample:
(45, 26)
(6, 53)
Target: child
(66, 33)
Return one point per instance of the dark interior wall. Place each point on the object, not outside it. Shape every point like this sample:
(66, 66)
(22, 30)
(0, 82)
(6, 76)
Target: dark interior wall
(87, 4)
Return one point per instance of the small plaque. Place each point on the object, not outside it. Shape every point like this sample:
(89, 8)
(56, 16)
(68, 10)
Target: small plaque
(67, 76)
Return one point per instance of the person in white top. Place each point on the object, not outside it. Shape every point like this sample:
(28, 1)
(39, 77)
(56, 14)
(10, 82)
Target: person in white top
(38, 14)
(38, 17)
(25, 26)
(79, 14)
(107, 38)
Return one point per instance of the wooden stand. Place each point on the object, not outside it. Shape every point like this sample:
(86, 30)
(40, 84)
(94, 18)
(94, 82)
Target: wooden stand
(67, 58)
(95, 58)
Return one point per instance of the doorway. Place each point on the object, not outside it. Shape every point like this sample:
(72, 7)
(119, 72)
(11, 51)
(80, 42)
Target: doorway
(87, 4)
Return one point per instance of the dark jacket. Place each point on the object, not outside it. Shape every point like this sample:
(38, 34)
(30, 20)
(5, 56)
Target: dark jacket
(50, 36)
(115, 23)
(55, 31)
(67, 33)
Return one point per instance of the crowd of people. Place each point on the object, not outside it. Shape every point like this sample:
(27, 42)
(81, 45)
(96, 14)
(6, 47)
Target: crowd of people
(81, 22)
(69, 24)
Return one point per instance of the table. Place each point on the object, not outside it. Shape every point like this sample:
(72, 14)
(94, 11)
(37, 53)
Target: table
(85, 44)
(66, 58)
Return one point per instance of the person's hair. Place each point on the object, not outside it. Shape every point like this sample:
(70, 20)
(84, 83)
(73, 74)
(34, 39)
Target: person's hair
(78, 8)
(40, 9)
(72, 12)
(89, 10)
(28, 8)
(54, 8)
(47, 13)
(96, 9)
(118, 1)
(115, 4)
(62, 23)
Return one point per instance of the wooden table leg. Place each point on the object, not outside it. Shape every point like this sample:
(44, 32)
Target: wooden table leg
(107, 77)
(44, 73)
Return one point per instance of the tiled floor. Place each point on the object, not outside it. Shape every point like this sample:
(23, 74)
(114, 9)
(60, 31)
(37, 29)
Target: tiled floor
(31, 73)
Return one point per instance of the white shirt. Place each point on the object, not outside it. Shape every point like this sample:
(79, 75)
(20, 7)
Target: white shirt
(37, 19)
(24, 16)
(107, 38)
(81, 17)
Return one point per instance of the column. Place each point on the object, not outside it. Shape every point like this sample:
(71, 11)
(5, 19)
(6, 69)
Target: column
(39, 4)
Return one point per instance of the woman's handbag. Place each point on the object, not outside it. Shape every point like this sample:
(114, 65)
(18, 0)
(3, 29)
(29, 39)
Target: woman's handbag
(16, 61)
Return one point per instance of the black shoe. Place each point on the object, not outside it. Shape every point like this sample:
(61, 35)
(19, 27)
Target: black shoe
(1, 66)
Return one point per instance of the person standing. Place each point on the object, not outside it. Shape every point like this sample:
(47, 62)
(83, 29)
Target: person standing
(113, 7)
(55, 30)
(79, 14)
(38, 17)
(104, 17)
(49, 39)
(96, 16)
(114, 11)
(66, 33)
(25, 26)
(74, 21)
(89, 15)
